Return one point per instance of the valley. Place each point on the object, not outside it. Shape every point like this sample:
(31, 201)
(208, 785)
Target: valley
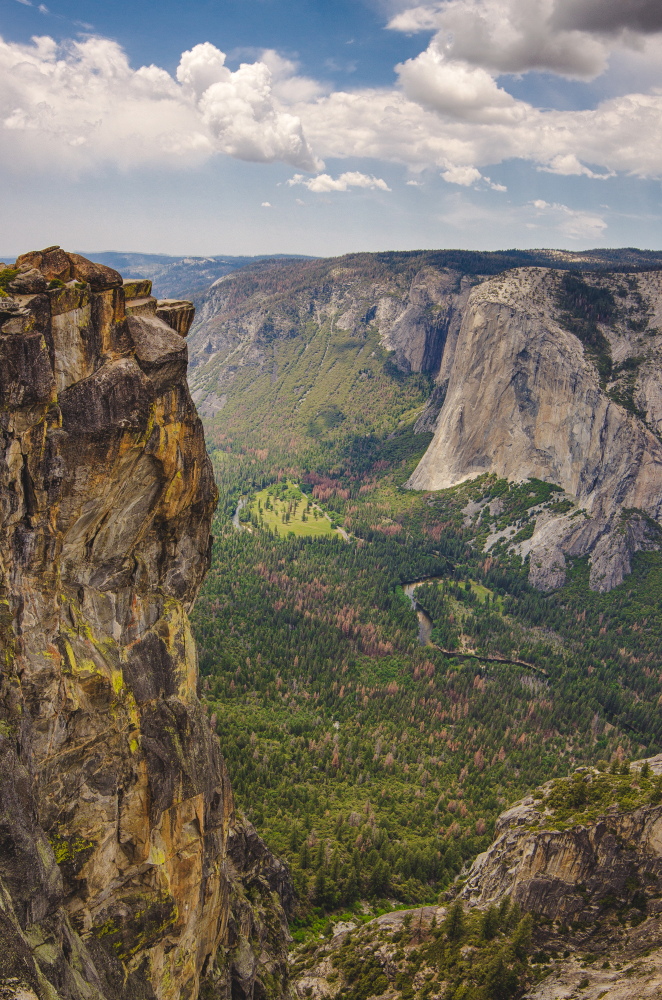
(421, 729)
(374, 728)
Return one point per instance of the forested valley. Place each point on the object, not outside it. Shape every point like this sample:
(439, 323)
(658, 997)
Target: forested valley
(376, 766)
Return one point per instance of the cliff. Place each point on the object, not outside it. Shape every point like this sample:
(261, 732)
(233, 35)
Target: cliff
(584, 855)
(566, 902)
(560, 380)
(124, 869)
(243, 317)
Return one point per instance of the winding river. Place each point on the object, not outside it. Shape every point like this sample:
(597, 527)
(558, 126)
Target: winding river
(425, 623)
(425, 626)
(235, 517)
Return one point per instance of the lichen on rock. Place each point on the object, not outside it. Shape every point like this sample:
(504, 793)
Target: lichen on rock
(120, 851)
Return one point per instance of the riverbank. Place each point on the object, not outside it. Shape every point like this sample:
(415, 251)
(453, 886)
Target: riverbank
(426, 625)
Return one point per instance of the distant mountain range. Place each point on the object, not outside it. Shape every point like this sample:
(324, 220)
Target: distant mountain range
(191, 276)
(175, 277)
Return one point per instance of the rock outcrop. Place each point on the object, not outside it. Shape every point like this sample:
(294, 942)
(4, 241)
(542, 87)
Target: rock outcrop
(124, 870)
(525, 398)
(590, 870)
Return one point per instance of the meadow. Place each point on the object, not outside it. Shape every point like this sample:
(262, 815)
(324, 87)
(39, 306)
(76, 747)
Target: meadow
(284, 509)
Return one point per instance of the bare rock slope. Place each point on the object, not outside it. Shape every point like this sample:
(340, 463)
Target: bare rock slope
(584, 855)
(537, 391)
(124, 870)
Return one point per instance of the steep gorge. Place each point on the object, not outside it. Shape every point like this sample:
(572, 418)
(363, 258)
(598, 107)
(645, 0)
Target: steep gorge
(124, 868)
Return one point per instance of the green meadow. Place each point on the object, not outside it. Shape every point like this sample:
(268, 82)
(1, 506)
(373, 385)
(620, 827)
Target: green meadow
(284, 508)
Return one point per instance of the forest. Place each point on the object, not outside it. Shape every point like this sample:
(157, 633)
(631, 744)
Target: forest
(375, 766)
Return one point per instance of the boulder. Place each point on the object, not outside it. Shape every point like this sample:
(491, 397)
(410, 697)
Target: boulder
(137, 288)
(54, 263)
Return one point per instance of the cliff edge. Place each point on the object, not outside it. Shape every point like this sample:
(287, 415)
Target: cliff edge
(124, 870)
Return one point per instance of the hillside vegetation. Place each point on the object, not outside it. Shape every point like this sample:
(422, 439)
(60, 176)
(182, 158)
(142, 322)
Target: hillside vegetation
(375, 766)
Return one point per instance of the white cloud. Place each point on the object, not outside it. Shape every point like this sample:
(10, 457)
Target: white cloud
(456, 88)
(567, 165)
(266, 204)
(620, 135)
(79, 105)
(416, 19)
(239, 108)
(508, 36)
(548, 224)
(571, 223)
(324, 183)
(466, 176)
(495, 187)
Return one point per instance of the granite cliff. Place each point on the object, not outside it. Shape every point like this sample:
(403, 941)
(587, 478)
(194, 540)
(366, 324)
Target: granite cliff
(124, 868)
(584, 855)
(545, 372)
(558, 378)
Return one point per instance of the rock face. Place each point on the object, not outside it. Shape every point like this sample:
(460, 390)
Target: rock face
(416, 312)
(523, 386)
(593, 883)
(124, 870)
(524, 399)
(567, 872)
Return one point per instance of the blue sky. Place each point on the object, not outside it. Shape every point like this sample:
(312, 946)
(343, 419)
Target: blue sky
(259, 126)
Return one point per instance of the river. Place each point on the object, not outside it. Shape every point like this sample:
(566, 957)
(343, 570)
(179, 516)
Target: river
(425, 623)
(235, 517)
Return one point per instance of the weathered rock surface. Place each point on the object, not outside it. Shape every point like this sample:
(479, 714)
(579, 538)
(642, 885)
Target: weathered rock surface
(525, 400)
(56, 264)
(595, 887)
(176, 313)
(417, 312)
(124, 870)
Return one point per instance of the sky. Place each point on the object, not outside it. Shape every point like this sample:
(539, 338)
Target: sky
(328, 126)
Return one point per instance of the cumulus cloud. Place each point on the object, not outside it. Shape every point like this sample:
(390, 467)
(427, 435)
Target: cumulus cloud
(620, 135)
(455, 88)
(238, 108)
(324, 183)
(466, 176)
(508, 36)
(80, 105)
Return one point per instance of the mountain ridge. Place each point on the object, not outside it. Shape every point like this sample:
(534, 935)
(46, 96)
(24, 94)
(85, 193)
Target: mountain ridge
(359, 344)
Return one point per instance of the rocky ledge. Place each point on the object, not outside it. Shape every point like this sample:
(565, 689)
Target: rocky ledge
(566, 903)
(124, 869)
